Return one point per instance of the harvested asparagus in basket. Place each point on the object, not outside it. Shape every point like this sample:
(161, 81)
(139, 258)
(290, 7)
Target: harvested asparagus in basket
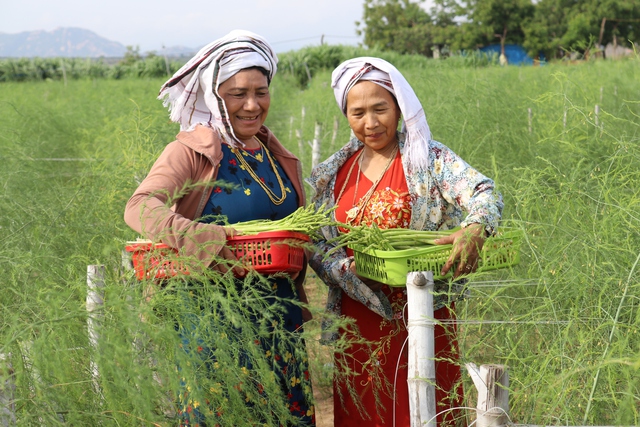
(306, 219)
(388, 239)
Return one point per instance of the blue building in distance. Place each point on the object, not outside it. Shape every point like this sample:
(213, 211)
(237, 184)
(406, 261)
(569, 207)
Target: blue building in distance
(516, 55)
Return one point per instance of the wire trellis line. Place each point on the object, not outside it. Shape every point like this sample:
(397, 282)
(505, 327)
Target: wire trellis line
(494, 283)
(489, 322)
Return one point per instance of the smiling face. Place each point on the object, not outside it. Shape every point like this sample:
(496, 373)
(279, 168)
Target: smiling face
(246, 95)
(373, 115)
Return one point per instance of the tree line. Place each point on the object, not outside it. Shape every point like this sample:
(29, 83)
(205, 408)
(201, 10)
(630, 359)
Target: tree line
(551, 29)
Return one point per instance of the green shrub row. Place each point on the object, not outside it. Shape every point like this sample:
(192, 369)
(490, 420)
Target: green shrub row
(38, 69)
(303, 64)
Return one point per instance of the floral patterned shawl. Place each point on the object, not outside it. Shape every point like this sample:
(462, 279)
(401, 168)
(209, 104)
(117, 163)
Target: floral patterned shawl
(440, 196)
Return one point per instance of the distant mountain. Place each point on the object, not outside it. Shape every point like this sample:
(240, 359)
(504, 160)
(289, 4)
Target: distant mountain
(69, 43)
(177, 51)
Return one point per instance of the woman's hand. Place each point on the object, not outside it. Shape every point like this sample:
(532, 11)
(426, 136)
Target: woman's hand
(306, 313)
(467, 244)
(227, 255)
(372, 284)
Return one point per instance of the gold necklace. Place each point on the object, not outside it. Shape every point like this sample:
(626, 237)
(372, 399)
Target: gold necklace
(244, 165)
(257, 157)
(358, 209)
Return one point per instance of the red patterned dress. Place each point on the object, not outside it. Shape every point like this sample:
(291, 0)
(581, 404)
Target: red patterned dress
(389, 207)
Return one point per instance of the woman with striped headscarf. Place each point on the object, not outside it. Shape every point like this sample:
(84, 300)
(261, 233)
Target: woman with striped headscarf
(394, 179)
(226, 167)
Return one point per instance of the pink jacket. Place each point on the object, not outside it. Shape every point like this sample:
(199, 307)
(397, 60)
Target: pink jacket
(175, 191)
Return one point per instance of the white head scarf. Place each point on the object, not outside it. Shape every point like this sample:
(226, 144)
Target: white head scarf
(192, 93)
(379, 71)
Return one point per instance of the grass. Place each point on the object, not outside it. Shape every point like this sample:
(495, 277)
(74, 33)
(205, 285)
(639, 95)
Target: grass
(565, 320)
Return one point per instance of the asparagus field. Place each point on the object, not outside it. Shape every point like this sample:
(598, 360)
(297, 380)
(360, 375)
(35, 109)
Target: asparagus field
(561, 141)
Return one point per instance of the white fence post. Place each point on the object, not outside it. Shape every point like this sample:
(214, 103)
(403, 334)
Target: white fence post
(492, 383)
(334, 135)
(290, 128)
(420, 328)
(315, 148)
(94, 302)
(299, 133)
(601, 93)
(300, 143)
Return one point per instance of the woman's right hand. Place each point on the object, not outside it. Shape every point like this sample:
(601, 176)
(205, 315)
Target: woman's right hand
(226, 254)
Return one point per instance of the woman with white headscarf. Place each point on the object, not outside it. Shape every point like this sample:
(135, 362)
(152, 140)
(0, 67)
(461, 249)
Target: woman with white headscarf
(394, 179)
(221, 99)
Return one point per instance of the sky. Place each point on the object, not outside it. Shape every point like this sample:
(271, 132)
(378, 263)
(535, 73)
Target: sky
(153, 24)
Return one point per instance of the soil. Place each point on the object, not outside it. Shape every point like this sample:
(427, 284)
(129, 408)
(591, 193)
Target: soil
(319, 356)
(324, 407)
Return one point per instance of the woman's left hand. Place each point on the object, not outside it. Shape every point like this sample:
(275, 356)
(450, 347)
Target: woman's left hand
(467, 244)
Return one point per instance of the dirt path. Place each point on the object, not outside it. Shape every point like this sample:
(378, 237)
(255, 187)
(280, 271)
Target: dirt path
(324, 407)
(319, 356)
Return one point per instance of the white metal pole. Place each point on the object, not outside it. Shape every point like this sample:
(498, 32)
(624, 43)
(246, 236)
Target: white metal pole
(421, 376)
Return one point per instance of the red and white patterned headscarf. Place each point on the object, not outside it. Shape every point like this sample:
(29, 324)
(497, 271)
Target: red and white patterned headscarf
(414, 121)
(192, 93)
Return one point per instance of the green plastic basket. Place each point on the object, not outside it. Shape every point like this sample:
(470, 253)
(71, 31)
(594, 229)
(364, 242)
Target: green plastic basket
(391, 267)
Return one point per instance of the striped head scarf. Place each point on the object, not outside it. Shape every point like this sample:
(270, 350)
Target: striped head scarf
(380, 72)
(192, 93)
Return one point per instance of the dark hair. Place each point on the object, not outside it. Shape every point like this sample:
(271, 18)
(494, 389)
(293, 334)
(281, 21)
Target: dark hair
(262, 70)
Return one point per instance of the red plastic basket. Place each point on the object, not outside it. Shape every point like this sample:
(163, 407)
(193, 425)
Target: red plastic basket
(271, 252)
(154, 261)
(267, 253)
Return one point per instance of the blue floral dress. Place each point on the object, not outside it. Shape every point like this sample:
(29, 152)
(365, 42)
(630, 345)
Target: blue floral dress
(238, 197)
